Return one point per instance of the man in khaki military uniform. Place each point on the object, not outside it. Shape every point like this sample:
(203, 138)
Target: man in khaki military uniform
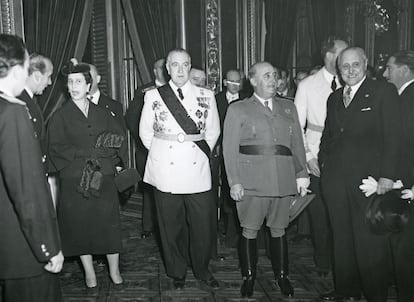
(266, 166)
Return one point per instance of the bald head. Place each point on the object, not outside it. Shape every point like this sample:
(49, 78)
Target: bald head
(96, 79)
(160, 71)
(233, 81)
(352, 63)
(198, 77)
(263, 77)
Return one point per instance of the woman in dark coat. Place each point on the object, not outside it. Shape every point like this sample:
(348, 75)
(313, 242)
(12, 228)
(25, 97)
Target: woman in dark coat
(88, 208)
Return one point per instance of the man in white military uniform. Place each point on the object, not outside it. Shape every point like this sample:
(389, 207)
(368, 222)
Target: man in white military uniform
(310, 100)
(179, 126)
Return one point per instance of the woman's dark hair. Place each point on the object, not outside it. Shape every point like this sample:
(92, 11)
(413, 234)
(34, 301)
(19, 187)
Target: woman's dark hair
(12, 52)
(74, 67)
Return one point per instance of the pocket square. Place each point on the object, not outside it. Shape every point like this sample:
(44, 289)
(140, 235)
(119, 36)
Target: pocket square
(366, 109)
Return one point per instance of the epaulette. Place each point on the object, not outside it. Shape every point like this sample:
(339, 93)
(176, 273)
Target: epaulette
(145, 89)
(12, 99)
(290, 98)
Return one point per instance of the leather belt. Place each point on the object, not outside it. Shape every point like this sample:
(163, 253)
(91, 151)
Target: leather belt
(265, 150)
(314, 127)
(180, 137)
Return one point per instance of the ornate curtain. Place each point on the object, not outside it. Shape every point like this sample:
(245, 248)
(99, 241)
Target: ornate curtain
(152, 27)
(57, 29)
(326, 17)
(280, 19)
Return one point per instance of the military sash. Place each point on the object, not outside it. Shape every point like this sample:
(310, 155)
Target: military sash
(181, 116)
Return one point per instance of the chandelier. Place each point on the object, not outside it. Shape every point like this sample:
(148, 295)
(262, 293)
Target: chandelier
(373, 9)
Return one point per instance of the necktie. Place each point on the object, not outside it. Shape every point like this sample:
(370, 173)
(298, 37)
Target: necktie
(180, 94)
(347, 97)
(333, 84)
(267, 106)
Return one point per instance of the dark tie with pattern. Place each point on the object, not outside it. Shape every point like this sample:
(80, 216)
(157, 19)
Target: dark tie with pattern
(333, 84)
(347, 97)
(267, 106)
(180, 94)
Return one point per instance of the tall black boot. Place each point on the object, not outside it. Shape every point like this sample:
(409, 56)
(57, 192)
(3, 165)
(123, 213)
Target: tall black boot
(248, 260)
(280, 264)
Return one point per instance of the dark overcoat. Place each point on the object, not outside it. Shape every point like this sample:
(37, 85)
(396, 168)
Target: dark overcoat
(28, 226)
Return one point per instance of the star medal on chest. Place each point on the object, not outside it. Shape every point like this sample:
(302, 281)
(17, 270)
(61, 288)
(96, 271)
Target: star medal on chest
(203, 102)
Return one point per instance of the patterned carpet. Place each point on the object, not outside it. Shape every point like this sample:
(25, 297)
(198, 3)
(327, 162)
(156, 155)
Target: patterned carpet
(145, 278)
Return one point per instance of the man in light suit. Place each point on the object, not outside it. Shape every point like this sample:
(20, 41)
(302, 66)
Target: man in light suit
(400, 72)
(132, 117)
(180, 126)
(361, 138)
(310, 101)
(265, 163)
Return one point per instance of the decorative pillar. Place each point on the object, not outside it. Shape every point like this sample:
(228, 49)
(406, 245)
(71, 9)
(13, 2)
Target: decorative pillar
(350, 22)
(404, 23)
(370, 39)
(181, 24)
(213, 44)
(11, 17)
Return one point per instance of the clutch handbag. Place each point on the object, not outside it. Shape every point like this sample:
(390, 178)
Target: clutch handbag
(126, 178)
(387, 213)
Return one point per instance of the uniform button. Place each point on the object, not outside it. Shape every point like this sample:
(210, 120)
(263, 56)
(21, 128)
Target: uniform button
(34, 120)
(171, 163)
(193, 146)
(342, 130)
(194, 163)
(47, 254)
(43, 246)
(169, 130)
(43, 159)
(275, 140)
(170, 147)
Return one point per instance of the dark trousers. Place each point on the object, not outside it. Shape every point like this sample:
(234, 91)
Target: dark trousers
(185, 225)
(45, 288)
(320, 227)
(148, 202)
(361, 259)
(403, 256)
(148, 208)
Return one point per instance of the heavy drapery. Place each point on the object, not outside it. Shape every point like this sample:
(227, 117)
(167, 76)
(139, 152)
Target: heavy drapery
(152, 27)
(57, 29)
(280, 19)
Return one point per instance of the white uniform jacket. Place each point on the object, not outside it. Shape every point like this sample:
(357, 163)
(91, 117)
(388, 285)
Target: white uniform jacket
(310, 100)
(173, 166)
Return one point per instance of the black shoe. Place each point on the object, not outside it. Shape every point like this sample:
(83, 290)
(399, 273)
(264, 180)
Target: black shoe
(179, 283)
(146, 234)
(247, 288)
(334, 296)
(212, 282)
(285, 286)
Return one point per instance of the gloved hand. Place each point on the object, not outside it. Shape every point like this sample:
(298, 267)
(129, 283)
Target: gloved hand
(408, 193)
(302, 185)
(369, 186)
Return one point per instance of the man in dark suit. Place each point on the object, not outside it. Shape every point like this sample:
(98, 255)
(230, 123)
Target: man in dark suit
(104, 101)
(283, 87)
(30, 249)
(400, 72)
(232, 93)
(40, 72)
(132, 117)
(266, 165)
(360, 139)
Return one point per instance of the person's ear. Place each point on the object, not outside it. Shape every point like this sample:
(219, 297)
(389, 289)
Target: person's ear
(98, 79)
(225, 83)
